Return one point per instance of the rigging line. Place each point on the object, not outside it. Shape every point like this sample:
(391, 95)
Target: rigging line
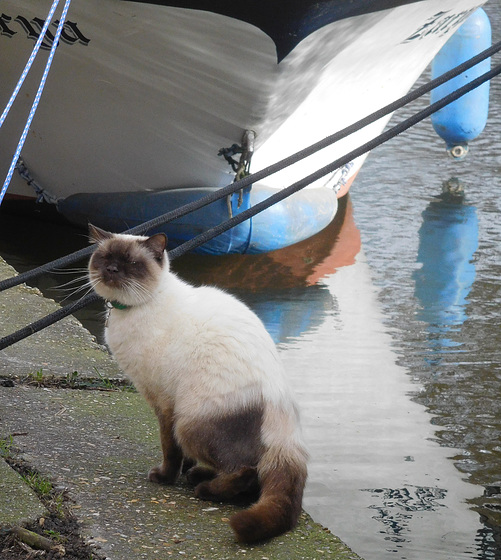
(213, 232)
(250, 179)
(310, 150)
(367, 147)
(44, 268)
(31, 59)
(36, 100)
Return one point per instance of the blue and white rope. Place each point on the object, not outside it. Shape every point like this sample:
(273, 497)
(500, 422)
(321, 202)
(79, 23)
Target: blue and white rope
(34, 53)
(40, 87)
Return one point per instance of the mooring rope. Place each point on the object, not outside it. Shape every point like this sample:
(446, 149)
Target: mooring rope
(259, 175)
(361, 150)
(280, 195)
(31, 59)
(39, 91)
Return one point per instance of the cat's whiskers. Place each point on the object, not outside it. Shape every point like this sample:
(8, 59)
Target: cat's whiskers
(87, 287)
(137, 289)
(71, 284)
(78, 270)
(94, 282)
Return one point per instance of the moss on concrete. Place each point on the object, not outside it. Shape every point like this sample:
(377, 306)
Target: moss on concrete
(19, 505)
(100, 445)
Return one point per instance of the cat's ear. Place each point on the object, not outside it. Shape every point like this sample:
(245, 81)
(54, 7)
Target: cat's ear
(157, 244)
(97, 234)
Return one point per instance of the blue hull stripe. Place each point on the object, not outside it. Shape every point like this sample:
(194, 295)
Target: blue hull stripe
(291, 220)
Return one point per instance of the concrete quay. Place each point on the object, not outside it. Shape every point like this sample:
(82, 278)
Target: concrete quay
(65, 414)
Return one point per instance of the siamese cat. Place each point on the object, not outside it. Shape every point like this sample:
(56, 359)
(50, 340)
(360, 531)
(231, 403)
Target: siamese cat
(208, 367)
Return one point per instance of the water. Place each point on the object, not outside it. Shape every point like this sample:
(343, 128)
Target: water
(389, 328)
(439, 277)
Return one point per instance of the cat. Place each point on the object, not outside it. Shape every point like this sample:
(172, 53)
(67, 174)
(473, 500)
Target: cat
(210, 370)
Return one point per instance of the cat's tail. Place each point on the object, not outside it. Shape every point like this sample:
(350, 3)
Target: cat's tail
(282, 475)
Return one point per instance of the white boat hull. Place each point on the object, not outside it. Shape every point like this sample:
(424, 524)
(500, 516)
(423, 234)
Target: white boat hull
(142, 97)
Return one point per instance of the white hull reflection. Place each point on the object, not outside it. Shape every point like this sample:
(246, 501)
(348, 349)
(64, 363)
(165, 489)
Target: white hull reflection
(377, 478)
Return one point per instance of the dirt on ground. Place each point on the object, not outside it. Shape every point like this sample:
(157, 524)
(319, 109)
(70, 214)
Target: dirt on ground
(63, 533)
(59, 531)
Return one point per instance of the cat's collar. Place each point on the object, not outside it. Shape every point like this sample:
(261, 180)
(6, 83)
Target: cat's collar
(117, 305)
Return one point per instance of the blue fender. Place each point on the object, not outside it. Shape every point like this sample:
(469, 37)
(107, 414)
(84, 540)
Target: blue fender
(464, 119)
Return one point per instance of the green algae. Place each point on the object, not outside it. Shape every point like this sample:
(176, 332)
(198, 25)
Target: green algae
(18, 503)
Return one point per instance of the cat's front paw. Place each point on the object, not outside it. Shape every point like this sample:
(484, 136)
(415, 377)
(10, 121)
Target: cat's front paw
(162, 475)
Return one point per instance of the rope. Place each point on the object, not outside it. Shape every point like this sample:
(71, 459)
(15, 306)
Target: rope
(31, 59)
(38, 94)
(310, 150)
(217, 230)
(367, 147)
(259, 175)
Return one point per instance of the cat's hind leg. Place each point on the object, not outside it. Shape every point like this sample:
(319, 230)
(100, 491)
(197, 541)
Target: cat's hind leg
(168, 471)
(198, 474)
(188, 464)
(226, 486)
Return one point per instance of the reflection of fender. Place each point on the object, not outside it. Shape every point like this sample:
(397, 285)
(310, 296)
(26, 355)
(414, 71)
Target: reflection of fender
(448, 239)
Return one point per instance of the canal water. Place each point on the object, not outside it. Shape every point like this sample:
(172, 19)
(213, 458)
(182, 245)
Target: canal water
(388, 324)
(436, 262)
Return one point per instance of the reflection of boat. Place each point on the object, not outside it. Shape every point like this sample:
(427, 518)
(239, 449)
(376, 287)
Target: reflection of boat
(448, 238)
(295, 302)
(297, 266)
(142, 96)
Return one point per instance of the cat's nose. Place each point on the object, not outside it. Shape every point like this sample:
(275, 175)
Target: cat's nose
(112, 268)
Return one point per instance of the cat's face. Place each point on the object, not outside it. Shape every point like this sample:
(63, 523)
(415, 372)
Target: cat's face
(126, 268)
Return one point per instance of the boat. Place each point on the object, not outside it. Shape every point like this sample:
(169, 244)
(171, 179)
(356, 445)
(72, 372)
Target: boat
(152, 104)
